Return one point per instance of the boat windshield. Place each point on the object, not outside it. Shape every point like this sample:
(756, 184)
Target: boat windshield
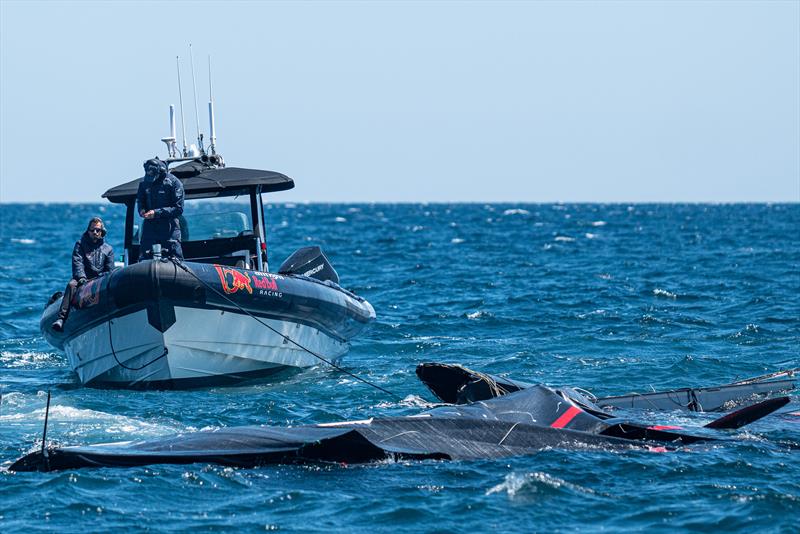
(208, 221)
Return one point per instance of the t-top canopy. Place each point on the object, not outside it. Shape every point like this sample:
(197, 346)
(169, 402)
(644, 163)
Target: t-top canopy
(200, 180)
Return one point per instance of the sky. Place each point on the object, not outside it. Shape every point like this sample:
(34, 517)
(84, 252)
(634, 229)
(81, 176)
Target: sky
(412, 101)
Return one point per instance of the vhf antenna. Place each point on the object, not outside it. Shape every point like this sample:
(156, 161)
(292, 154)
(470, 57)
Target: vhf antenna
(213, 136)
(180, 97)
(172, 149)
(196, 113)
(45, 454)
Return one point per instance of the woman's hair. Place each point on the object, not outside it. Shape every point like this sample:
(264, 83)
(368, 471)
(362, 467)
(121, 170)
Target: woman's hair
(95, 220)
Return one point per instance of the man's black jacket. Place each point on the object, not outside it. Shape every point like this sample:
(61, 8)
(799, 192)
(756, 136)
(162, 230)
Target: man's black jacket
(164, 196)
(90, 259)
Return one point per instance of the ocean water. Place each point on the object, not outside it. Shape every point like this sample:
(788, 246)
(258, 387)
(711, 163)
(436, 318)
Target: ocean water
(612, 298)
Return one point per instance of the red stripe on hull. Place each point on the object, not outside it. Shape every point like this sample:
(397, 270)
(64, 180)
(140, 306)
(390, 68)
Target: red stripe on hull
(566, 417)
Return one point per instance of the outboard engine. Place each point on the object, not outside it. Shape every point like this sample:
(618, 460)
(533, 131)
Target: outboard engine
(311, 262)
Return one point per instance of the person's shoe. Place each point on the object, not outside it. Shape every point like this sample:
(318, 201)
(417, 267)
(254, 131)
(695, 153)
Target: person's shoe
(58, 325)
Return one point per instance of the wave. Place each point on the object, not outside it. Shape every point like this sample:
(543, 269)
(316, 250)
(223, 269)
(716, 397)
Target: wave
(664, 293)
(538, 482)
(409, 401)
(28, 359)
(591, 313)
(96, 420)
(516, 212)
(750, 330)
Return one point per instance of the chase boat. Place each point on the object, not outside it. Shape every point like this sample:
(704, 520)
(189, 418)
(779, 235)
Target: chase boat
(218, 317)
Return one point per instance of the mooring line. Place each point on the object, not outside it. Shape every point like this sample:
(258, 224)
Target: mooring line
(178, 263)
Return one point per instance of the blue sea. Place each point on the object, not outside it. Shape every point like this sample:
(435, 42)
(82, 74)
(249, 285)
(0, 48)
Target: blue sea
(609, 297)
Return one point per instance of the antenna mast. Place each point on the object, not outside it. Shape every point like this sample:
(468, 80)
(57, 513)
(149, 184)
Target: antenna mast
(172, 150)
(196, 113)
(180, 97)
(45, 454)
(212, 131)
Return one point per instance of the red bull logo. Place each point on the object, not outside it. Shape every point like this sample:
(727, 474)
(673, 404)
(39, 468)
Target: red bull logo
(265, 283)
(233, 280)
(267, 286)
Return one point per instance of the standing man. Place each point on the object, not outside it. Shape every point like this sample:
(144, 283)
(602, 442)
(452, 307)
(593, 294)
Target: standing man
(91, 257)
(160, 202)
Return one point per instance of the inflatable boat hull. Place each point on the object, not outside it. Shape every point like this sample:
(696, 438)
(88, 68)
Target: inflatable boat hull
(156, 325)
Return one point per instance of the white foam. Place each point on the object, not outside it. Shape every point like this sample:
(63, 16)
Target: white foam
(23, 241)
(590, 235)
(412, 401)
(599, 223)
(80, 419)
(664, 293)
(340, 219)
(14, 398)
(515, 483)
(516, 212)
(25, 359)
(456, 240)
(564, 238)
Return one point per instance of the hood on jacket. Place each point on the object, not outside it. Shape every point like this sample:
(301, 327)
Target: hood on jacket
(157, 164)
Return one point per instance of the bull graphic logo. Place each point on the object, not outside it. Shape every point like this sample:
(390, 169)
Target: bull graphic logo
(233, 280)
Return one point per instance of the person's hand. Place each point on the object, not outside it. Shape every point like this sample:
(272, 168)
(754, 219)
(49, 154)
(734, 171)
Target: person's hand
(141, 213)
(149, 214)
(81, 281)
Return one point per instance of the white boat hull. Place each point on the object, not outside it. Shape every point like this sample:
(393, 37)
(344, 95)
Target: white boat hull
(203, 347)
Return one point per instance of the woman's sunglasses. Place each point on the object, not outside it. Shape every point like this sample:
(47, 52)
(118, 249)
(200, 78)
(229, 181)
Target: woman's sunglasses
(97, 230)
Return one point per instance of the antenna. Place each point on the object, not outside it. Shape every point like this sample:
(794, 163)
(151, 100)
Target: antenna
(45, 455)
(172, 121)
(196, 113)
(212, 131)
(180, 96)
(172, 150)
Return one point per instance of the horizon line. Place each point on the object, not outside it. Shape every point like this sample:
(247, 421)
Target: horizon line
(518, 202)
